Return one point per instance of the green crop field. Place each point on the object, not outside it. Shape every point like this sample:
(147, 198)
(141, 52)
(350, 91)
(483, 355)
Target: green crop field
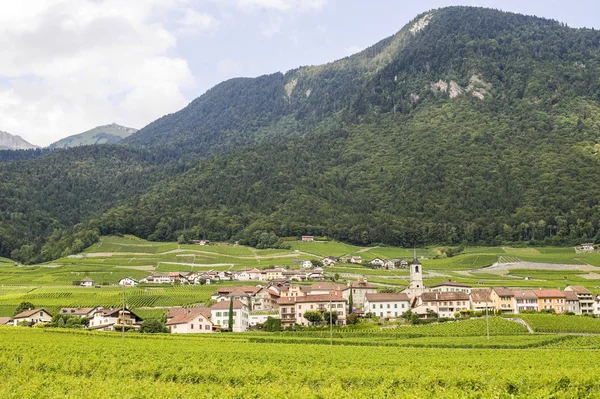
(38, 363)
(561, 323)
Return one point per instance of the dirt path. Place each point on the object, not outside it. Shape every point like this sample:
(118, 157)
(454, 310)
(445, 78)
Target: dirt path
(197, 264)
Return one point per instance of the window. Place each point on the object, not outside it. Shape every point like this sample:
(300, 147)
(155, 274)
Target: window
(402, 306)
(395, 306)
(225, 314)
(417, 270)
(219, 314)
(388, 305)
(41, 314)
(381, 314)
(191, 326)
(380, 306)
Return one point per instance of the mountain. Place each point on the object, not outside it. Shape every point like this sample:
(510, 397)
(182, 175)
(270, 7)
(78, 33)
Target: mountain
(10, 142)
(469, 125)
(107, 134)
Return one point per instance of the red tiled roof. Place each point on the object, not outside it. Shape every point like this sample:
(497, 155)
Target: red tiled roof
(549, 293)
(361, 284)
(481, 295)
(4, 320)
(189, 314)
(503, 291)
(327, 287)
(571, 296)
(525, 294)
(581, 290)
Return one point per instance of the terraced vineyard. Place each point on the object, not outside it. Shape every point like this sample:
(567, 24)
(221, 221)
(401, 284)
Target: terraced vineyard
(100, 365)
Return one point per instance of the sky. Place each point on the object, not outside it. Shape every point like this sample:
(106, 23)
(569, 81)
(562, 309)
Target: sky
(69, 65)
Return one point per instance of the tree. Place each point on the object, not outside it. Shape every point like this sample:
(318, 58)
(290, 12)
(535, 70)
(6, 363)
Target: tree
(272, 324)
(231, 314)
(352, 318)
(154, 326)
(350, 302)
(330, 316)
(313, 316)
(23, 307)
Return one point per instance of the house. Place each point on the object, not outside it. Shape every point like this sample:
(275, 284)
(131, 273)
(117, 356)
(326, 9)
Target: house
(356, 259)
(191, 321)
(32, 316)
(292, 309)
(157, 279)
(389, 264)
(450, 286)
(525, 300)
(359, 289)
(293, 275)
(272, 274)
(316, 274)
(586, 298)
(201, 242)
(113, 319)
(294, 290)
(390, 306)
(236, 295)
(128, 282)
(265, 299)
(223, 291)
(255, 274)
(597, 306)
(242, 275)
(220, 315)
(572, 302)
(377, 262)
(87, 282)
(503, 299)
(308, 238)
(79, 312)
(400, 263)
(307, 264)
(445, 304)
(481, 299)
(328, 261)
(5, 320)
(551, 299)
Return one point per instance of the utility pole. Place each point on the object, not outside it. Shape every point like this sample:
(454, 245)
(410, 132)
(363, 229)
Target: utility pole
(487, 321)
(123, 315)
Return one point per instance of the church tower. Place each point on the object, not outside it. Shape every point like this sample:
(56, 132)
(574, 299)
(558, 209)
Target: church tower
(416, 276)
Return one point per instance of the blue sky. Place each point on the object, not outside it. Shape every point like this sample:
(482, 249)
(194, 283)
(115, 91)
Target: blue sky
(70, 65)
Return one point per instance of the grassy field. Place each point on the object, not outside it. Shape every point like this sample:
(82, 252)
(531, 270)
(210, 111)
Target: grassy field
(100, 365)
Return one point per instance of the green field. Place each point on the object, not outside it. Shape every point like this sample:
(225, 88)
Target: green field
(561, 323)
(38, 363)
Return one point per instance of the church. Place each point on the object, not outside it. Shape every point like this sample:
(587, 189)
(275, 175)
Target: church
(416, 287)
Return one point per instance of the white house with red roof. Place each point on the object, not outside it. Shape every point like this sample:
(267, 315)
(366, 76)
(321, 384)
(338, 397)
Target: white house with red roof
(220, 315)
(191, 321)
(390, 306)
(33, 316)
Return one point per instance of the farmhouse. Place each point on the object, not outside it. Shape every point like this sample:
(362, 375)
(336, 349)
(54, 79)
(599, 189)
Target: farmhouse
(33, 316)
(390, 306)
(220, 315)
(377, 262)
(308, 238)
(128, 282)
(572, 302)
(191, 321)
(265, 299)
(356, 259)
(111, 319)
(292, 309)
(87, 282)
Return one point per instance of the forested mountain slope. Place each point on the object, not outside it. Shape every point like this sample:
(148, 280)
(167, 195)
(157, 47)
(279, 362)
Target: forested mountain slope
(470, 125)
(106, 134)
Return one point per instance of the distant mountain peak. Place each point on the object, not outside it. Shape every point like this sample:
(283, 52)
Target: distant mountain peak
(12, 142)
(105, 134)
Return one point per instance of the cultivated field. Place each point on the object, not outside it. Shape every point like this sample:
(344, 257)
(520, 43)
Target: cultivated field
(100, 365)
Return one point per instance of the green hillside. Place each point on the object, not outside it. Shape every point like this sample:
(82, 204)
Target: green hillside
(108, 134)
(469, 125)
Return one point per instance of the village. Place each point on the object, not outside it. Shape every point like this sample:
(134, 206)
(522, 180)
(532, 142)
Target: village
(302, 298)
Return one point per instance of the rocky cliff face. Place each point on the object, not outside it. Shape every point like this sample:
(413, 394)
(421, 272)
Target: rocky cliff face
(10, 142)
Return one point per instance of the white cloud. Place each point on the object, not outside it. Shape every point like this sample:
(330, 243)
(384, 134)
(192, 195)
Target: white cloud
(284, 5)
(69, 65)
(193, 21)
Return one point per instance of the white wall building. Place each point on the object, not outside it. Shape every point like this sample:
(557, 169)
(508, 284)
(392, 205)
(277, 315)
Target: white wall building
(390, 306)
(33, 316)
(191, 321)
(220, 315)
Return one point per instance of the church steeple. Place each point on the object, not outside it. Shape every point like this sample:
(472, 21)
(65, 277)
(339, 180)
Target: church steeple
(416, 273)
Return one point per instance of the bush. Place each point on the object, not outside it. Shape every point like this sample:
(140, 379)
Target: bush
(154, 326)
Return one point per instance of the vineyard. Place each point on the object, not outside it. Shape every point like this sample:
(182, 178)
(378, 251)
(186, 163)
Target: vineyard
(100, 365)
(562, 324)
